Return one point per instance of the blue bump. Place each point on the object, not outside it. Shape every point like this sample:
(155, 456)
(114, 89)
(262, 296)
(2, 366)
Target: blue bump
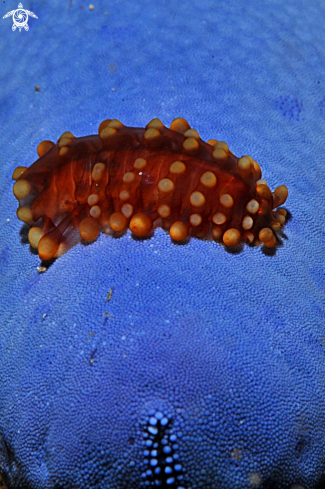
(153, 430)
(167, 449)
(173, 437)
(148, 443)
(153, 462)
(178, 467)
(168, 470)
(153, 421)
(157, 470)
(169, 460)
(170, 480)
(153, 453)
(164, 421)
(159, 415)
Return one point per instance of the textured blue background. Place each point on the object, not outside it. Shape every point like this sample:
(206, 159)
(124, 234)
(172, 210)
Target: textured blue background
(229, 346)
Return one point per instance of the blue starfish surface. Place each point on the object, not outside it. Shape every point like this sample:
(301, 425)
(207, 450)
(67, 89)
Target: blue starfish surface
(133, 364)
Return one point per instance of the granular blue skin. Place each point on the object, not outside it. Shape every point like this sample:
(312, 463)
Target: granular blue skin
(226, 348)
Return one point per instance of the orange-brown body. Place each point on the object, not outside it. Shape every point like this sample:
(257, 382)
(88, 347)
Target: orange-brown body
(142, 177)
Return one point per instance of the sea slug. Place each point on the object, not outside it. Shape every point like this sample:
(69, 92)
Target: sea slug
(141, 178)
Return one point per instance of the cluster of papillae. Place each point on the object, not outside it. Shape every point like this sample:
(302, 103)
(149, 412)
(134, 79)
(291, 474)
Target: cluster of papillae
(139, 178)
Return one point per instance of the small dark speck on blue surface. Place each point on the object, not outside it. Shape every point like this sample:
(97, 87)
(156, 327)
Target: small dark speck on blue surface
(289, 107)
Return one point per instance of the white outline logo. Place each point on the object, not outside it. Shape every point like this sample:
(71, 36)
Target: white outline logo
(20, 18)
